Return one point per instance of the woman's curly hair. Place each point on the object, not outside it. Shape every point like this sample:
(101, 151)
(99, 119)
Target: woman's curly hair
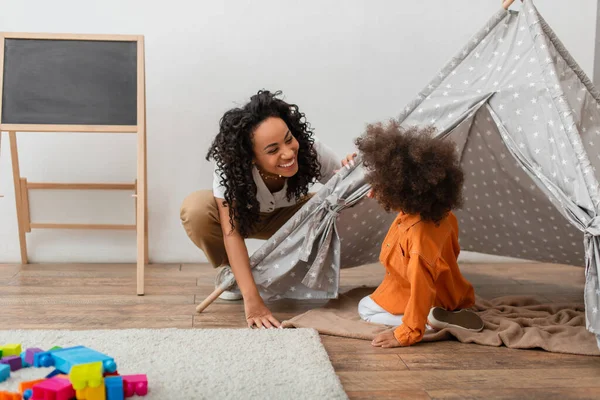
(232, 151)
(412, 171)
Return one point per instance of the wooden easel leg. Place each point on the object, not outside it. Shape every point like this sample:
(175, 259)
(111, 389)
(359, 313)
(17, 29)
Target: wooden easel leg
(146, 258)
(26, 208)
(14, 155)
(142, 249)
(142, 191)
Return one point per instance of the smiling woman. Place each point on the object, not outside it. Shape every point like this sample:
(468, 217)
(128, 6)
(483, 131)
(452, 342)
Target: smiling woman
(266, 159)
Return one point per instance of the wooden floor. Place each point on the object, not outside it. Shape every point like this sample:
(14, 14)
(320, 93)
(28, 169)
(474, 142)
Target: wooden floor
(76, 296)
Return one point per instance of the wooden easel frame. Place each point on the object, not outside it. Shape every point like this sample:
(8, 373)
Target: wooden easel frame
(140, 187)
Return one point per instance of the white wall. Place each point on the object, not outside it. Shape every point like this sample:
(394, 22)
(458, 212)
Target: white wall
(345, 63)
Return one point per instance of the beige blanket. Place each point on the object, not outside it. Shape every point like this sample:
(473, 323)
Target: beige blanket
(520, 322)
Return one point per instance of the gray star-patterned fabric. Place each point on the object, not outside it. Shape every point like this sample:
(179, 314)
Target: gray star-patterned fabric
(526, 121)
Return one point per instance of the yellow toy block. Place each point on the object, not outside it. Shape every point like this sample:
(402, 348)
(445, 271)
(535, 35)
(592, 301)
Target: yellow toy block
(11, 350)
(92, 393)
(82, 376)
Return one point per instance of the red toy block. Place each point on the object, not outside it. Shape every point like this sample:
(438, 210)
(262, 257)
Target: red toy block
(116, 373)
(53, 388)
(135, 384)
(15, 362)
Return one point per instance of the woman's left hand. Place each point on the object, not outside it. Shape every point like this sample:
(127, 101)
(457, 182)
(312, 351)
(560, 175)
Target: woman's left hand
(386, 339)
(349, 160)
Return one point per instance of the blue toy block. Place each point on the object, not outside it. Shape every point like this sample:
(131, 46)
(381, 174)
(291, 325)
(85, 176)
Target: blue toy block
(114, 388)
(65, 358)
(24, 364)
(43, 359)
(4, 372)
(27, 394)
(53, 373)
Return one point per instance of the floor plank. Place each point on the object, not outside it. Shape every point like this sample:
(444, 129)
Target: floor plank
(538, 378)
(367, 362)
(551, 393)
(512, 359)
(389, 395)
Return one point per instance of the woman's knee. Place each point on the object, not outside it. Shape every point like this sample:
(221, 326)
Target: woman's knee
(198, 211)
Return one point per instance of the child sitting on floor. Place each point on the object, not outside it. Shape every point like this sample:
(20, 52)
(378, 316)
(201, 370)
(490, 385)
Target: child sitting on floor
(418, 176)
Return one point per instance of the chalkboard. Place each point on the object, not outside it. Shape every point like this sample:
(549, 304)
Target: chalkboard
(69, 82)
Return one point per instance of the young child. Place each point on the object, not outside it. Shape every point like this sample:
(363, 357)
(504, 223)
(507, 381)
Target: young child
(418, 176)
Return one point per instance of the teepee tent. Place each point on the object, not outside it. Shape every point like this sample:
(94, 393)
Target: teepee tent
(525, 120)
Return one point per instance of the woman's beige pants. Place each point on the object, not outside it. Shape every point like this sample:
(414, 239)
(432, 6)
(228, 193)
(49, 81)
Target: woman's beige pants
(200, 218)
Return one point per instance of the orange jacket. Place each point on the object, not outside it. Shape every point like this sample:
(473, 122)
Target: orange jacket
(421, 272)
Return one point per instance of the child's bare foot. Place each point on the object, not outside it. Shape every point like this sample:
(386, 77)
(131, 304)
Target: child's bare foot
(439, 319)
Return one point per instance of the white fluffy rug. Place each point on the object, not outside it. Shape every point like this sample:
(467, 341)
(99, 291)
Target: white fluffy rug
(202, 363)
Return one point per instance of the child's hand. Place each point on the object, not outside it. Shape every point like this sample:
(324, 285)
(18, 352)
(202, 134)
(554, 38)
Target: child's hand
(349, 160)
(386, 339)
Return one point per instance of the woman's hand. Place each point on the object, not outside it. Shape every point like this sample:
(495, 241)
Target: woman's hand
(258, 315)
(386, 339)
(349, 160)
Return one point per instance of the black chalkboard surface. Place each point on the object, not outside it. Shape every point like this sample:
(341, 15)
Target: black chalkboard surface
(69, 82)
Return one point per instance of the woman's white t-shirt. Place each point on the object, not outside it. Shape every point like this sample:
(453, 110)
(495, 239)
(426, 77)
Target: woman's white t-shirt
(270, 201)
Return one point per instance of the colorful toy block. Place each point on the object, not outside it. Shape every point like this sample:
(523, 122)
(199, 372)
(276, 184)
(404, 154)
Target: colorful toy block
(43, 359)
(66, 358)
(80, 373)
(24, 363)
(84, 375)
(114, 388)
(53, 374)
(29, 354)
(24, 386)
(135, 384)
(11, 350)
(53, 388)
(92, 393)
(10, 396)
(4, 372)
(14, 362)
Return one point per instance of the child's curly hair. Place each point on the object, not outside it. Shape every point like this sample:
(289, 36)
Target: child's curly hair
(412, 171)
